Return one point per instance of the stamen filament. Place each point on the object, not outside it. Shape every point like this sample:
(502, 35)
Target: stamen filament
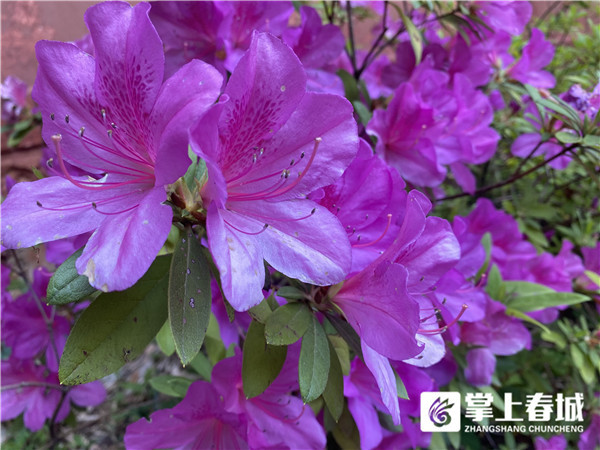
(387, 227)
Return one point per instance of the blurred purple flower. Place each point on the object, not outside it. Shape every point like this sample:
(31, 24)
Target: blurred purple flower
(14, 98)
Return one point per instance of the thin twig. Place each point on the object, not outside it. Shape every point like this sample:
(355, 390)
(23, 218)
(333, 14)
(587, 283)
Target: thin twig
(512, 179)
(26, 384)
(384, 30)
(352, 53)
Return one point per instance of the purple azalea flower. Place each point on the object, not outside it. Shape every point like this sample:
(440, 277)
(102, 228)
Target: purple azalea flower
(590, 438)
(14, 98)
(432, 122)
(267, 144)
(241, 18)
(496, 334)
(199, 421)
(510, 16)
(317, 45)
(24, 328)
(189, 30)
(588, 103)
(276, 418)
(369, 201)
(32, 393)
(558, 442)
(537, 54)
(113, 117)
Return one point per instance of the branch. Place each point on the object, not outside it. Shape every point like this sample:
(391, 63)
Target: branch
(366, 63)
(515, 177)
(25, 384)
(352, 53)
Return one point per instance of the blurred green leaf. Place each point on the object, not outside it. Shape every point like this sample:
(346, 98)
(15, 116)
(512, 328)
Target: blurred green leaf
(170, 385)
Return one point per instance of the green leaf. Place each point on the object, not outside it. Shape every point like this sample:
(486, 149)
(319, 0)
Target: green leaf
(334, 390)
(363, 112)
(291, 293)
(202, 366)
(346, 331)
(494, 287)
(261, 312)
(189, 296)
(416, 40)
(313, 365)
(287, 324)
(567, 138)
(343, 352)
(261, 362)
(592, 141)
(526, 297)
(66, 285)
(116, 328)
(593, 276)
(584, 364)
(215, 349)
(170, 385)
(164, 339)
(350, 86)
(486, 241)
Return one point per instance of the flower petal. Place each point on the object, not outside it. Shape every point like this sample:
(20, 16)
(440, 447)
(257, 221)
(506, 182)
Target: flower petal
(237, 257)
(123, 247)
(182, 99)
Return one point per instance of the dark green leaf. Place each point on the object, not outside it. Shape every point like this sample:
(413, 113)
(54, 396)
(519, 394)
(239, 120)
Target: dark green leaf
(313, 366)
(350, 87)
(287, 324)
(526, 297)
(170, 385)
(261, 362)
(66, 285)
(363, 113)
(116, 328)
(261, 312)
(494, 284)
(334, 390)
(291, 293)
(189, 296)
(346, 331)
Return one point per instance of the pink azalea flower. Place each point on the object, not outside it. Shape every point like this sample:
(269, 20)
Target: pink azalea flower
(537, 54)
(510, 16)
(267, 144)
(114, 118)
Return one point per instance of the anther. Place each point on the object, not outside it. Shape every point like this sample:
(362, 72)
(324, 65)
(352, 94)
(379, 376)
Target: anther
(109, 132)
(94, 205)
(301, 155)
(313, 211)
(262, 150)
(103, 111)
(67, 118)
(292, 163)
(112, 124)
(50, 163)
(81, 131)
(52, 116)
(254, 158)
(39, 204)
